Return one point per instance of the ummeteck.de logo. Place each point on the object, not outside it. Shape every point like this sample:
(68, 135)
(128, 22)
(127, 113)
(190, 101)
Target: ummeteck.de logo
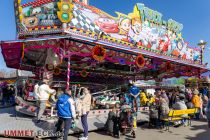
(32, 133)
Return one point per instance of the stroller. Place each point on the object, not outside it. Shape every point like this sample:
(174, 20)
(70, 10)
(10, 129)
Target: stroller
(127, 121)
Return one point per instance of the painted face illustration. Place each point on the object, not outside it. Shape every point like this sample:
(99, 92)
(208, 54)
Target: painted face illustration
(125, 25)
(107, 25)
(179, 45)
(136, 26)
(30, 21)
(161, 45)
(36, 11)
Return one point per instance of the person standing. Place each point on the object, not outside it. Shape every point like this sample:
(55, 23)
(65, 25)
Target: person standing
(42, 92)
(109, 126)
(163, 111)
(196, 102)
(164, 95)
(86, 103)
(12, 96)
(5, 95)
(208, 112)
(66, 112)
(173, 99)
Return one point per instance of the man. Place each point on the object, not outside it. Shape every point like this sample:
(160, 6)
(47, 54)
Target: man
(42, 92)
(66, 112)
(86, 103)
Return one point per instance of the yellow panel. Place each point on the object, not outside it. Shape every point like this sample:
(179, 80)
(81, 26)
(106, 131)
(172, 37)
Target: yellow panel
(59, 5)
(177, 118)
(190, 111)
(179, 112)
(19, 2)
(170, 113)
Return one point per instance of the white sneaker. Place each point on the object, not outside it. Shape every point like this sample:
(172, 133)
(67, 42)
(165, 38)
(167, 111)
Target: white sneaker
(83, 138)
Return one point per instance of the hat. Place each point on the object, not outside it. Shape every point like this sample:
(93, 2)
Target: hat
(196, 92)
(181, 96)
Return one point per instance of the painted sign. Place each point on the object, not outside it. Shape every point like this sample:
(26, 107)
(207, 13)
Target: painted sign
(143, 27)
(173, 81)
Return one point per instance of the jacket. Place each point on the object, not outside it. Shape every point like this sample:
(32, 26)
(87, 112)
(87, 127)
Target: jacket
(65, 107)
(179, 105)
(163, 95)
(164, 110)
(196, 100)
(86, 103)
(43, 91)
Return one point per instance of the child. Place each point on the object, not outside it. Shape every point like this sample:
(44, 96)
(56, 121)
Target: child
(109, 123)
(116, 125)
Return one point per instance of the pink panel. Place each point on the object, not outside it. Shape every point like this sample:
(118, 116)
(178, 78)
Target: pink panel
(12, 54)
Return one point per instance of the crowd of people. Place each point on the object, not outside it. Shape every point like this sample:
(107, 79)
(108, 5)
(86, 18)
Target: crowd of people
(69, 107)
(163, 101)
(75, 103)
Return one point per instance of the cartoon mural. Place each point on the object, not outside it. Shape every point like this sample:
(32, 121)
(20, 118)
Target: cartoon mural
(143, 27)
(39, 15)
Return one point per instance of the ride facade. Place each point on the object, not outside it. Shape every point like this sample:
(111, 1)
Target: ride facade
(67, 40)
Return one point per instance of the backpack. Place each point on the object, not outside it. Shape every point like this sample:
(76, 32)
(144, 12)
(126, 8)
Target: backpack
(63, 106)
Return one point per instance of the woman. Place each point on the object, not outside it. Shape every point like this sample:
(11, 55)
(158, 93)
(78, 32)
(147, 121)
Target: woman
(110, 122)
(86, 104)
(164, 108)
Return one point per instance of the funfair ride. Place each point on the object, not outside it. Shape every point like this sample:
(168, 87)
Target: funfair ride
(68, 40)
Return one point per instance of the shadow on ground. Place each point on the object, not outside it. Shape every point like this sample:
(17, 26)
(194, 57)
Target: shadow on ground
(200, 136)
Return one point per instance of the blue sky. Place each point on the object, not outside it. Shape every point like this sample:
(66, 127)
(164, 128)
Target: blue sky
(193, 14)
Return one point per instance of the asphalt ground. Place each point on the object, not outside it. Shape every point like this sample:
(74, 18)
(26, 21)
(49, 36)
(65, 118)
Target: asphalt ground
(198, 131)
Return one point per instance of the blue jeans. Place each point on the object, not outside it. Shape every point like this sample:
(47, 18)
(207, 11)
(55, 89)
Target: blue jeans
(12, 100)
(67, 125)
(197, 115)
(4, 100)
(85, 124)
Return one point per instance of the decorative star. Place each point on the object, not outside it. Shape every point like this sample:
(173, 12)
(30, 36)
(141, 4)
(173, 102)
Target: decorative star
(136, 13)
(179, 36)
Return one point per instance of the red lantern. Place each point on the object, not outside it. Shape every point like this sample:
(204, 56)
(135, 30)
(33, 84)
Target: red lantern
(98, 53)
(168, 66)
(57, 71)
(84, 73)
(140, 61)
